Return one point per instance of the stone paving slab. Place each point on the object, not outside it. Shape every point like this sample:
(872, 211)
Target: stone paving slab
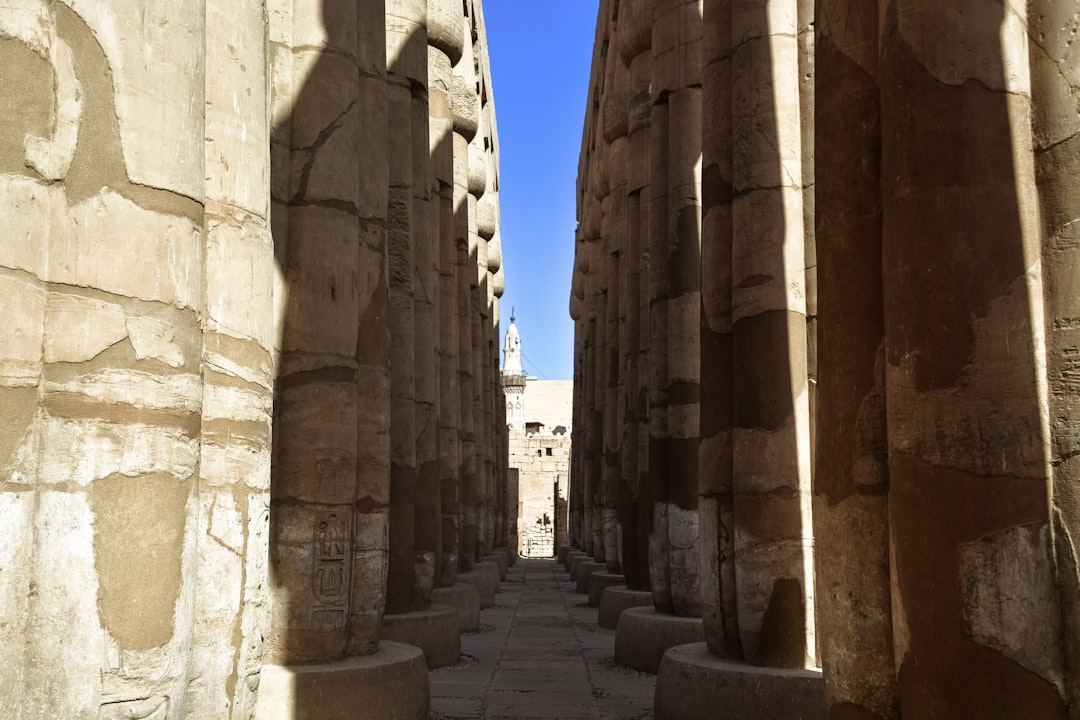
(539, 655)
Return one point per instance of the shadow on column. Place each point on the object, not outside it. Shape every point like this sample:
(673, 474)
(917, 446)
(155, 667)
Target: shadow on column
(330, 471)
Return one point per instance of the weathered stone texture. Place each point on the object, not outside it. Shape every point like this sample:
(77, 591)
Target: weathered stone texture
(866, 336)
(195, 449)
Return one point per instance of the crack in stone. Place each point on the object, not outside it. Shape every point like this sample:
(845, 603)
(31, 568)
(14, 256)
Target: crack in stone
(313, 152)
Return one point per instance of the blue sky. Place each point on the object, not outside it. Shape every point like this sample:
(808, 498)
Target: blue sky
(540, 54)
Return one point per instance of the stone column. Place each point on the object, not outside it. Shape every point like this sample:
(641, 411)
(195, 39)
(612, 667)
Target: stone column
(977, 612)
(415, 513)
(676, 92)
(102, 276)
(445, 45)
(771, 433)
(425, 278)
(232, 615)
(576, 495)
(488, 262)
(645, 633)
(604, 297)
(327, 557)
(634, 43)
(757, 571)
(480, 318)
(406, 61)
(613, 127)
(1057, 162)
(716, 502)
(594, 448)
(590, 230)
(466, 119)
(851, 529)
(659, 294)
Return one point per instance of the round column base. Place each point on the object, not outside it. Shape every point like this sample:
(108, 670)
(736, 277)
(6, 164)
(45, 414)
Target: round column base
(492, 569)
(643, 635)
(615, 600)
(694, 684)
(483, 582)
(390, 684)
(499, 558)
(465, 600)
(576, 562)
(571, 556)
(436, 631)
(585, 571)
(599, 581)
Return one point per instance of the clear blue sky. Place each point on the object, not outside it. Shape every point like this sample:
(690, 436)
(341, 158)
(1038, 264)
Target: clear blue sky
(540, 56)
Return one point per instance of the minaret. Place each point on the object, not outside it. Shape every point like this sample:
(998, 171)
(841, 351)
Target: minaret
(513, 378)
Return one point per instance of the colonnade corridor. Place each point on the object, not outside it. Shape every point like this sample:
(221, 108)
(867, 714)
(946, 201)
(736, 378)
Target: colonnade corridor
(540, 654)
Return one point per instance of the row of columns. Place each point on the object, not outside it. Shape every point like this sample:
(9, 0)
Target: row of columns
(822, 295)
(249, 373)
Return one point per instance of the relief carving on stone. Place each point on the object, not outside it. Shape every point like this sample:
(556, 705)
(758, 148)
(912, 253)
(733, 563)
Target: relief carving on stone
(330, 576)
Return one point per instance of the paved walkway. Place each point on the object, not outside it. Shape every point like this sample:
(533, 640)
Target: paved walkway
(539, 655)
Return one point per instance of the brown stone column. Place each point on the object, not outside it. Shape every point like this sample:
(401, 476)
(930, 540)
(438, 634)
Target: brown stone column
(851, 529)
(479, 320)
(1057, 162)
(466, 120)
(659, 291)
(634, 43)
(716, 502)
(425, 286)
(589, 230)
(445, 45)
(406, 64)
(489, 260)
(327, 558)
(676, 92)
(977, 614)
(415, 498)
(614, 127)
(605, 296)
(771, 434)
(576, 497)
(594, 448)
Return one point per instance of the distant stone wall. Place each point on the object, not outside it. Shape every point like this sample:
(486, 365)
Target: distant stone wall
(542, 461)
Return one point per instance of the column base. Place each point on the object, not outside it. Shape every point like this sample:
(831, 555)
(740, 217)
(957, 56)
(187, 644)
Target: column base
(615, 600)
(465, 600)
(390, 684)
(643, 635)
(572, 555)
(510, 552)
(599, 581)
(499, 558)
(585, 570)
(693, 684)
(506, 554)
(436, 631)
(576, 561)
(492, 569)
(560, 554)
(483, 582)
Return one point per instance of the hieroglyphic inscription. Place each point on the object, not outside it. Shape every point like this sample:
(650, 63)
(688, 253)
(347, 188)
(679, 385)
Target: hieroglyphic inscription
(330, 578)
